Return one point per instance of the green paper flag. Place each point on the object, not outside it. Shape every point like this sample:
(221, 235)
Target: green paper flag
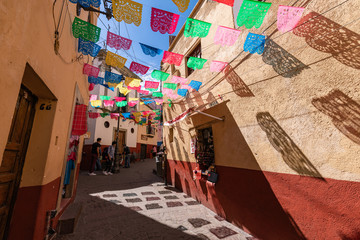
(104, 114)
(85, 30)
(105, 97)
(170, 102)
(252, 13)
(196, 63)
(121, 104)
(159, 75)
(172, 86)
(157, 94)
(196, 28)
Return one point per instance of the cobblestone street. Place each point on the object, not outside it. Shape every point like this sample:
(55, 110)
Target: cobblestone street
(135, 204)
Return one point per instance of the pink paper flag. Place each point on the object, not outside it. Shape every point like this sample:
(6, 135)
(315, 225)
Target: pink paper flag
(186, 87)
(226, 36)
(133, 103)
(172, 58)
(288, 17)
(217, 66)
(91, 70)
(119, 99)
(93, 97)
(163, 21)
(227, 2)
(138, 68)
(150, 84)
(167, 91)
(117, 42)
(108, 103)
(134, 88)
(176, 79)
(94, 115)
(159, 101)
(144, 92)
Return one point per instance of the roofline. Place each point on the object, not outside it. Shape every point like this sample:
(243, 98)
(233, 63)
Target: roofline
(193, 12)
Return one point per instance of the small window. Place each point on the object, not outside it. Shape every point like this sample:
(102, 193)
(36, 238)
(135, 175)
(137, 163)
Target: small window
(106, 124)
(171, 135)
(205, 154)
(195, 53)
(132, 130)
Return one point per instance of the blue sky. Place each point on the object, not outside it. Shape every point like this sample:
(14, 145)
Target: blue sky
(143, 33)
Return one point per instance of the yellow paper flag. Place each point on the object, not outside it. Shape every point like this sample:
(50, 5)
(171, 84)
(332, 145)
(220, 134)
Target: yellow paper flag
(115, 60)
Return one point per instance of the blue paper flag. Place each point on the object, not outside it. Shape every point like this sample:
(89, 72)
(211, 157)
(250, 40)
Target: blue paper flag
(150, 50)
(195, 85)
(254, 43)
(146, 99)
(95, 80)
(126, 115)
(148, 102)
(87, 3)
(88, 47)
(112, 77)
(182, 92)
(107, 86)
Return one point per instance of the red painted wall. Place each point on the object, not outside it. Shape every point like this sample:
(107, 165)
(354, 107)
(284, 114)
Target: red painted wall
(275, 205)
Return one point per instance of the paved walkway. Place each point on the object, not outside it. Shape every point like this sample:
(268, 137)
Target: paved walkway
(135, 205)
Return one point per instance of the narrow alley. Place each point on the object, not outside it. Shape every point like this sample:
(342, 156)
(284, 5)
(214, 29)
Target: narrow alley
(135, 204)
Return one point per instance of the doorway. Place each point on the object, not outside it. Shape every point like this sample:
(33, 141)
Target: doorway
(143, 152)
(14, 156)
(120, 140)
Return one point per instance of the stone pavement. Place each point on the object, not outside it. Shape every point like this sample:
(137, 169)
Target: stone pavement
(135, 205)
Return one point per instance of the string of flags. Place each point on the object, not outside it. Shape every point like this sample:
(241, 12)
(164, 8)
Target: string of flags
(251, 14)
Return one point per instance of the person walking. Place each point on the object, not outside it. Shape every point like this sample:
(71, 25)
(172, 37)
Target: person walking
(110, 158)
(95, 155)
(154, 151)
(127, 156)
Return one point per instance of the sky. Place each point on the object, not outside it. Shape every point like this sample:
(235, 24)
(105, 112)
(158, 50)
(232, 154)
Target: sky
(143, 33)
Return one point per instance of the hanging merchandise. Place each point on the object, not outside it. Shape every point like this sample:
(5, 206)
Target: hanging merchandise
(79, 126)
(176, 79)
(133, 103)
(95, 80)
(138, 68)
(195, 85)
(163, 21)
(117, 42)
(226, 36)
(85, 30)
(132, 82)
(88, 48)
(254, 43)
(227, 2)
(103, 115)
(121, 104)
(252, 13)
(151, 51)
(112, 77)
(115, 115)
(105, 97)
(108, 103)
(151, 85)
(288, 17)
(123, 90)
(127, 10)
(96, 103)
(144, 92)
(94, 115)
(196, 28)
(157, 94)
(115, 60)
(93, 97)
(172, 86)
(217, 66)
(87, 3)
(90, 70)
(196, 63)
(182, 4)
(172, 58)
(182, 92)
(119, 99)
(159, 75)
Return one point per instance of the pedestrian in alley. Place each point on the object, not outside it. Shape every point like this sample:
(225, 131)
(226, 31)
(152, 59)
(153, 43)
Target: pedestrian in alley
(127, 156)
(95, 155)
(154, 151)
(110, 153)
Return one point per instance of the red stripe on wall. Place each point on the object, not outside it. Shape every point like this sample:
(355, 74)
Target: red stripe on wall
(275, 205)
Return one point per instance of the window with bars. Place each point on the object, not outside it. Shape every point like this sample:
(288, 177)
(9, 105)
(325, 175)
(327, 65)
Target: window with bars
(196, 52)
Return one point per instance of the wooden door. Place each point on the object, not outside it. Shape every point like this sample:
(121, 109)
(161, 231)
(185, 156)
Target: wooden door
(14, 156)
(120, 139)
(143, 151)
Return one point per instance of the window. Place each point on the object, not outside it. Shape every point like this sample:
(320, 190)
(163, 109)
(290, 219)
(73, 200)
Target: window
(195, 53)
(106, 124)
(150, 130)
(205, 154)
(171, 135)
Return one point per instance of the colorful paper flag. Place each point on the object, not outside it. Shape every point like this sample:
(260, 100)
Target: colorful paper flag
(254, 43)
(288, 17)
(172, 58)
(182, 4)
(163, 21)
(196, 28)
(159, 75)
(88, 48)
(217, 66)
(85, 30)
(196, 63)
(112, 77)
(151, 51)
(115, 60)
(252, 13)
(195, 85)
(226, 36)
(138, 68)
(127, 10)
(117, 42)
(182, 92)
(172, 86)
(90, 70)
(176, 79)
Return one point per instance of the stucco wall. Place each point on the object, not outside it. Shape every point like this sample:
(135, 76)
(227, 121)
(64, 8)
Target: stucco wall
(275, 126)
(142, 131)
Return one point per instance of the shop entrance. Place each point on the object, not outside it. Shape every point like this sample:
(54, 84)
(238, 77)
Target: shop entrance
(14, 156)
